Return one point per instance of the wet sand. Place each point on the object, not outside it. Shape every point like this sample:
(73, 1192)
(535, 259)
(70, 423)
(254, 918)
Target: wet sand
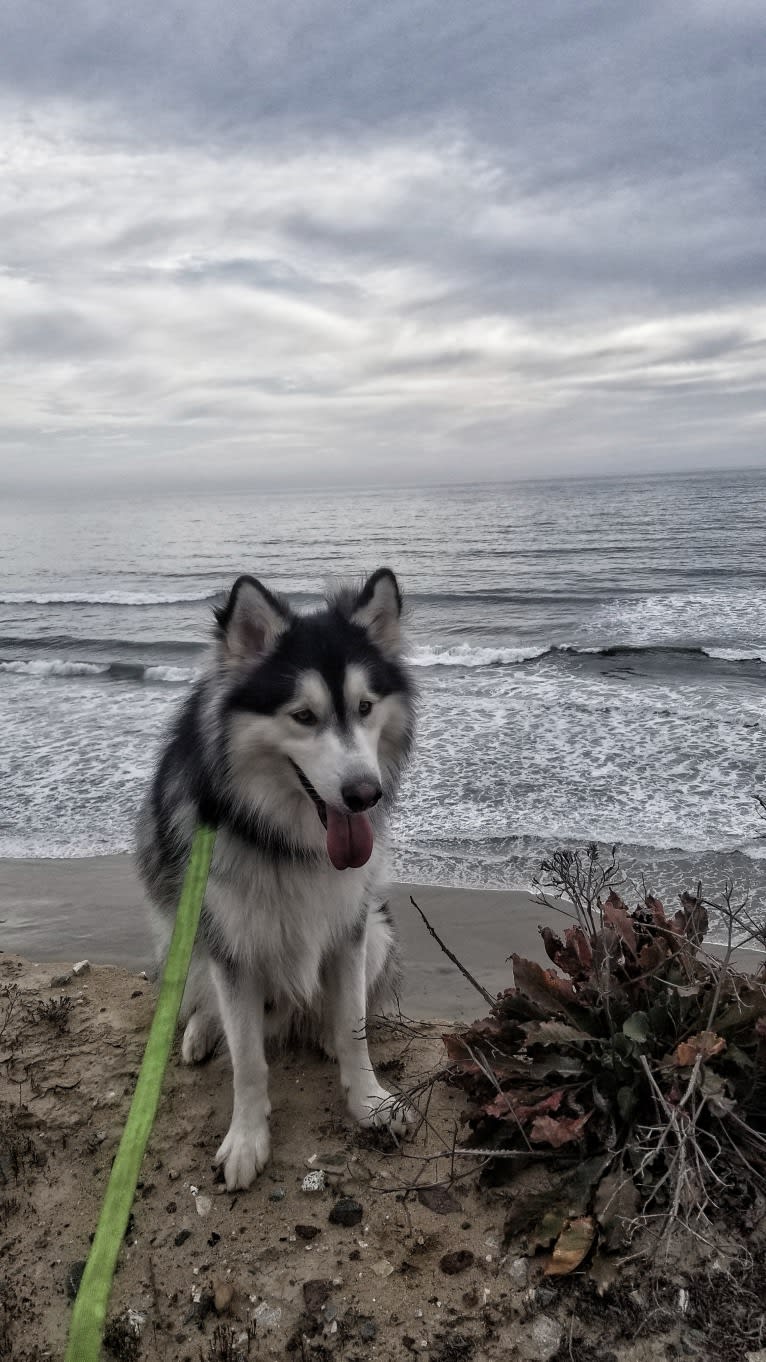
(94, 908)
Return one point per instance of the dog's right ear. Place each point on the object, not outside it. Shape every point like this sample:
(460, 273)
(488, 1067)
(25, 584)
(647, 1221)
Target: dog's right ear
(251, 621)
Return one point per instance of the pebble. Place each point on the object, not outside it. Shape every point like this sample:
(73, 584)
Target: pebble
(367, 1330)
(314, 1182)
(74, 1277)
(346, 1212)
(544, 1339)
(307, 1231)
(60, 980)
(223, 1296)
(518, 1271)
(267, 1316)
(383, 1268)
(82, 967)
(204, 1205)
(181, 1237)
(315, 1293)
(278, 1194)
(459, 1261)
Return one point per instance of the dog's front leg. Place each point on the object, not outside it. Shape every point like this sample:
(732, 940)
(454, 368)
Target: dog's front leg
(368, 1102)
(245, 1150)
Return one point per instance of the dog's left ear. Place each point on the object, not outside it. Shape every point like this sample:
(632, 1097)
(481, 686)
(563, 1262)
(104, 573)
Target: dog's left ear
(378, 609)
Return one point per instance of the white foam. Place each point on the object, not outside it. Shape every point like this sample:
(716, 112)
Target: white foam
(755, 654)
(55, 667)
(730, 618)
(466, 655)
(103, 598)
(170, 675)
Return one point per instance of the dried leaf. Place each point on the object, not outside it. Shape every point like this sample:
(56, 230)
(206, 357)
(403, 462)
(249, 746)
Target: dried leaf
(504, 1107)
(554, 1033)
(706, 1044)
(636, 1027)
(439, 1199)
(616, 1205)
(572, 1247)
(547, 990)
(557, 1131)
(617, 916)
(657, 910)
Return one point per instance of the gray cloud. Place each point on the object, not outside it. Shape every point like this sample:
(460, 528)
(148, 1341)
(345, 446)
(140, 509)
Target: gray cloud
(333, 242)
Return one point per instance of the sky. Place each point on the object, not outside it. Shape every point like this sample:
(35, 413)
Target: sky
(341, 243)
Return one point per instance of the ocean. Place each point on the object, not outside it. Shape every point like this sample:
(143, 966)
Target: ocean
(590, 654)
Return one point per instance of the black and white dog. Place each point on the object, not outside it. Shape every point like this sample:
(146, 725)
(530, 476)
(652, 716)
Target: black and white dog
(292, 744)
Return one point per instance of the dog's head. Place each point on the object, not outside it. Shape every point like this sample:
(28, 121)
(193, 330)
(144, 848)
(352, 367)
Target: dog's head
(318, 711)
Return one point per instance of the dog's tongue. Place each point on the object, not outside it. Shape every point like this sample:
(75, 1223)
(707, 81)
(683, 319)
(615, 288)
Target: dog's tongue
(349, 839)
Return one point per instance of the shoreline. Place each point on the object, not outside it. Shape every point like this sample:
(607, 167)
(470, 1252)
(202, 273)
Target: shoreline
(93, 908)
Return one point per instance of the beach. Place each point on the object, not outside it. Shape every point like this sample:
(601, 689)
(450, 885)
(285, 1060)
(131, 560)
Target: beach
(421, 1267)
(94, 908)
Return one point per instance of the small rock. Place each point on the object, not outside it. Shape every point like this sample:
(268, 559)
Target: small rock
(60, 980)
(346, 1212)
(214, 1239)
(544, 1339)
(223, 1296)
(758, 1356)
(518, 1271)
(181, 1237)
(173, 1175)
(307, 1231)
(367, 1329)
(440, 1200)
(143, 974)
(383, 1268)
(278, 1194)
(204, 1205)
(267, 1316)
(315, 1294)
(137, 993)
(82, 967)
(459, 1261)
(73, 1278)
(544, 1295)
(314, 1182)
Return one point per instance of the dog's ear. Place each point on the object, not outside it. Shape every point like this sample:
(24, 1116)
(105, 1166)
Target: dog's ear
(378, 609)
(251, 621)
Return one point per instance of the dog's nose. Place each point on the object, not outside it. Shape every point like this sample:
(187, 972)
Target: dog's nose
(359, 795)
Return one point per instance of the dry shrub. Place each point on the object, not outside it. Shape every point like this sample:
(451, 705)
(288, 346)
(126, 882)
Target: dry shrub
(636, 1067)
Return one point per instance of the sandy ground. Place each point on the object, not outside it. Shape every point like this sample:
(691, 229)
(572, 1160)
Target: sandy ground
(267, 1273)
(94, 908)
(261, 1274)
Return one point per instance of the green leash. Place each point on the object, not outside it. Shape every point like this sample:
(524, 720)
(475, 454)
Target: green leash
(89, 1310)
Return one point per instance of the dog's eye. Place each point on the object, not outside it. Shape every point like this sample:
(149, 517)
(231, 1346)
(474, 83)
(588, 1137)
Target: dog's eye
(307, 717)
(365, 708)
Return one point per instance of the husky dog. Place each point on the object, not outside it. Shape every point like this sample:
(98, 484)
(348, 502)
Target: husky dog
(291, 744)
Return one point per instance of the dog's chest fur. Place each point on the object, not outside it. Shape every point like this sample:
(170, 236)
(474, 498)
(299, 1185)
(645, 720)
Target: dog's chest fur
(280, 923)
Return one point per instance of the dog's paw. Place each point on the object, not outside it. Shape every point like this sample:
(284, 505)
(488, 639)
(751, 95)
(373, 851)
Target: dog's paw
(377, 1109)
(243, 1155)
(201, 1036)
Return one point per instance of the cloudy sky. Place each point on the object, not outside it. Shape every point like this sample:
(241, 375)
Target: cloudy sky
(407, 240)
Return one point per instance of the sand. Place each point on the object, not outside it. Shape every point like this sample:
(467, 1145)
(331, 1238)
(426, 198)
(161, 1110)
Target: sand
(93, 908)
(200, 1267)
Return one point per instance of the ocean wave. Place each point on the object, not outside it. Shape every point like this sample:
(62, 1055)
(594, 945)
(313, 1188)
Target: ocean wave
(111, 671)
(55, 667)
(466, 655)
(755, 653)
(135, 598)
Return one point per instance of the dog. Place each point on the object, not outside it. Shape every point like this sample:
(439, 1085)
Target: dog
(291, 744)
